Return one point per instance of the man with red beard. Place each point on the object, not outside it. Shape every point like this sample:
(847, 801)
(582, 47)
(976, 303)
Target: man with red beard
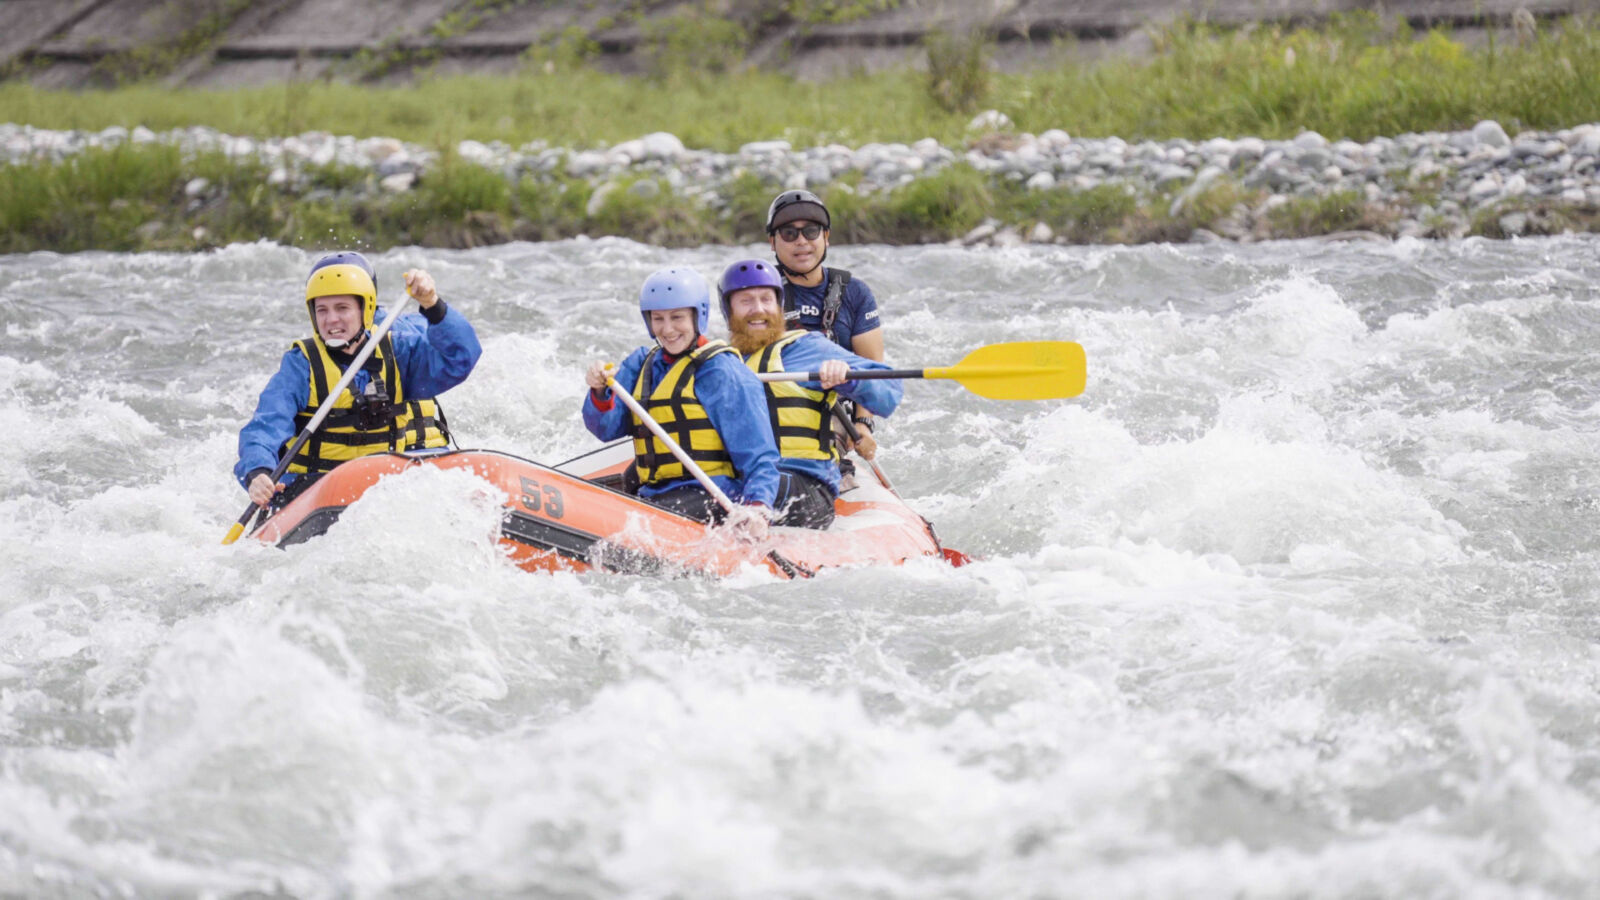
(800, 411)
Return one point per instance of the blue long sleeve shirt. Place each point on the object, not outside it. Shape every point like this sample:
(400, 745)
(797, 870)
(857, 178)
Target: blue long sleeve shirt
(734, 401)
(881, 396)
(432, 358)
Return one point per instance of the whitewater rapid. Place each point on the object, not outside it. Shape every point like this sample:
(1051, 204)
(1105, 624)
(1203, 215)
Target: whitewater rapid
(1297, 599)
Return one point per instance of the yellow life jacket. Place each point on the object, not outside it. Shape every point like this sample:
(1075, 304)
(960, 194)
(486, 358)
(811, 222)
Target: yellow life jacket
(673, 404)
(410, 425)
(799, 415)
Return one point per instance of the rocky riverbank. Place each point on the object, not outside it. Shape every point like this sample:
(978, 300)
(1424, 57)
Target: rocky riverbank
(1001, 187)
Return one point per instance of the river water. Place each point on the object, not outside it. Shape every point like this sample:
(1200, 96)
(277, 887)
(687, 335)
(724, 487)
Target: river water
(1298, 599)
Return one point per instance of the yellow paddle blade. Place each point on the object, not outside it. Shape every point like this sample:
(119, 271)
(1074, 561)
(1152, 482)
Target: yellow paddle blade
(1020, 370)
(233, 533)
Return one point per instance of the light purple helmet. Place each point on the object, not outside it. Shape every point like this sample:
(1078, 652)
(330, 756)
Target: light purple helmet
(748, 273)
(675, 288)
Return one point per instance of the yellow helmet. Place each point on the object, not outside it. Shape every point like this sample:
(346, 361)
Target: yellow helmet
(343, 273)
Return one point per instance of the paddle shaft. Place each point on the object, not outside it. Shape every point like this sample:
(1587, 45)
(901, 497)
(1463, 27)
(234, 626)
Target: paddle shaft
(852, 375)
(788, 567)
(689, 465)
(321, 413)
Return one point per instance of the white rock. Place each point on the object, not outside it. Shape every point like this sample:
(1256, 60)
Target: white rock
(1041, 181)
(633, 150)
(475, 152)
(1484, 188)
(1310, 140)
(990, 120)
(764, 148)
(981, 233)
(1489, 133)
(196, 187)
(398, 183)
(1055, 139)
(1041, 234)
(597, 200)
(662, 145)
(585, 163)
(1007, 237)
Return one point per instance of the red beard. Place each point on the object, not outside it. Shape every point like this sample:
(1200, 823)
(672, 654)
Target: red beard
(747, 340)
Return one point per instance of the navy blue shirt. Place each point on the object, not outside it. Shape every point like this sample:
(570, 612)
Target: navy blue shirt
(858, 309)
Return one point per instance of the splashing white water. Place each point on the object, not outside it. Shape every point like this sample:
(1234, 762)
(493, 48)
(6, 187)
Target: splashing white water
(1297, 600)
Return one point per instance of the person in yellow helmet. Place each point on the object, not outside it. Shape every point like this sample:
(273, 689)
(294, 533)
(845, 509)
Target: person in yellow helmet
(389, 405)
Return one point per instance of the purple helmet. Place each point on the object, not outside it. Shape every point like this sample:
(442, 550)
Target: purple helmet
(748, 273)
(676, 288)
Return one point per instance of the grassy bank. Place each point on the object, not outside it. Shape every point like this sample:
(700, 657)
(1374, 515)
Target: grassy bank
(1359, 77)
(145, 197)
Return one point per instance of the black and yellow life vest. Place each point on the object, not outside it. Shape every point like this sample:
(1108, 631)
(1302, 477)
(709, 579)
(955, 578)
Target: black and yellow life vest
(410, 425)
(673, 404)
(799, 415)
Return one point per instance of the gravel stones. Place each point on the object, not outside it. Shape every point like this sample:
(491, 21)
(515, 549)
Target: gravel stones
(1472, 169)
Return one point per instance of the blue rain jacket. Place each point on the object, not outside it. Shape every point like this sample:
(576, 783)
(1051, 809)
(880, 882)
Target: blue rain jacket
(432, 357)
(735, 403)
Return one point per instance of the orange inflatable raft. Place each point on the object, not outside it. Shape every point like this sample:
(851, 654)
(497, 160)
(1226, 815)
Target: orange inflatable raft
(574, 517)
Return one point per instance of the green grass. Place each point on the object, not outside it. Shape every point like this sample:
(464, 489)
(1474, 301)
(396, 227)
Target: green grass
(135, 197)
(1357, 78)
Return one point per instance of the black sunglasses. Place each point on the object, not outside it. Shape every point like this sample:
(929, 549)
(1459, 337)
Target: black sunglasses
(790, 234)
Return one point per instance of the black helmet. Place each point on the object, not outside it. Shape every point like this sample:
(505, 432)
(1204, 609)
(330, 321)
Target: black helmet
(790, 206)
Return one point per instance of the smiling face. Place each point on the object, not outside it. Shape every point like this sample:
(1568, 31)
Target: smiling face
(802, 255)
(338, 318)
(755, 319)
(674, 329)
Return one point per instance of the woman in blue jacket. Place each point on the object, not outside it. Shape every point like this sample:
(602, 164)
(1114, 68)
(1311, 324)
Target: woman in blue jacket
(701, 393)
